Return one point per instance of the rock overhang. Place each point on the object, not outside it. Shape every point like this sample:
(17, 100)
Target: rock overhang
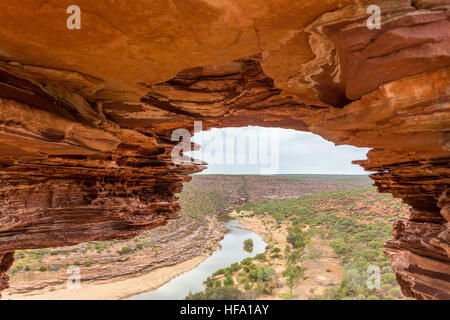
(86, 115)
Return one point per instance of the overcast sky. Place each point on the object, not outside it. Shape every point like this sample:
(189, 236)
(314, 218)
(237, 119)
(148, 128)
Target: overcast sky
(274, 151)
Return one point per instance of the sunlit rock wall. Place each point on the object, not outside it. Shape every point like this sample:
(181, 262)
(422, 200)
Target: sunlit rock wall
(86, 115)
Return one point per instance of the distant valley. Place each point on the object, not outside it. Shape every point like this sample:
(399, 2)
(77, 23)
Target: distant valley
(272, 204)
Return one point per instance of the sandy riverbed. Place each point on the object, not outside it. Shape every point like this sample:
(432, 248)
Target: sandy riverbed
(117, 289)
(323, 272)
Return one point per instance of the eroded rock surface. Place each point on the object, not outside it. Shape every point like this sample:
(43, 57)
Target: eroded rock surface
(86, 116)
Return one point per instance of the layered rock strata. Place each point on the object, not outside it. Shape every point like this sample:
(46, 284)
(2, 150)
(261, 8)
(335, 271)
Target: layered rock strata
(86, 116)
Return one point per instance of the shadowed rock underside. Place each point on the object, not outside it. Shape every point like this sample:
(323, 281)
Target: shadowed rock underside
(86, 116)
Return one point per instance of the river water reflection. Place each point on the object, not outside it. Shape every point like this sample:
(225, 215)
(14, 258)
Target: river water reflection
(231, 251)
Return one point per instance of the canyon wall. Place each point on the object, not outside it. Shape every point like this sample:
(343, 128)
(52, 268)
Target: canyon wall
(86, 116)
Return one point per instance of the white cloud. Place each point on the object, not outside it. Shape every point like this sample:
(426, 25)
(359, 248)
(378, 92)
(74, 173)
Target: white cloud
(299, 152)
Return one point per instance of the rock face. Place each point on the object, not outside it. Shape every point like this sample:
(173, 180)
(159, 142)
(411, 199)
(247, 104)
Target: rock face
(6, 261)
(86, 116)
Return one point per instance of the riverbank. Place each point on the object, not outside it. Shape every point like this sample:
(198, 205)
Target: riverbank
(231, 252)
(323, 268)
(117, 289)
(135, 274)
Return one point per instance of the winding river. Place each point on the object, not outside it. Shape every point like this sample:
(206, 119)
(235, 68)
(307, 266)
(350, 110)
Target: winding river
(231, 251)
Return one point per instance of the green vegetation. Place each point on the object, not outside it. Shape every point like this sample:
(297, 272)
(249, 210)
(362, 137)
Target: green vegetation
(328, 177)
(354, 222)
(218, 293)
(248, 245)
(292, 275)
(196, 205)
(286, 295)
(255, 280)
(268, 274)
(296, 237)
(124, 250)
(228, 282)
(355, 233)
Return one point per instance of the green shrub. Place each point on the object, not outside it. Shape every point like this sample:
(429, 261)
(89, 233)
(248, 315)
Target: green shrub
(261, 257)
(286, 295)
(269, 272)
(218, 293)
(292, 274)
(219, 272)
(339, 246)
(296, 237)
(209, 282)
(396, 292)
(248, 245)
(386, 269)
(256, 274)
(124, 250)
(388, 278)
(279, 217)
(235, 266)
(228, 282)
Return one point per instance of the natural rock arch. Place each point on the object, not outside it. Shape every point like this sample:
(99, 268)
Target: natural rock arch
(86, 115)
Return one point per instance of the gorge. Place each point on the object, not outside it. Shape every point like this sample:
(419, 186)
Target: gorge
(86, 116)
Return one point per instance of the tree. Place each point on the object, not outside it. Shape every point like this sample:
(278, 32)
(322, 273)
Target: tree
(269, 272)
(287, 250)
(295, 256)
(209, 282)
(256, 274)
(279, 217)
(292, 274)
(248, 245)
(228, 282)
(296, 237)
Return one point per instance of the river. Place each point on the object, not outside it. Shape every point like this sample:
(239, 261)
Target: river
(231, 251)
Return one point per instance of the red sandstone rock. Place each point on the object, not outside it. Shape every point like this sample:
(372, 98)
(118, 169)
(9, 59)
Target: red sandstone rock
(86, 116)
(6, 261)
(444, 204)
